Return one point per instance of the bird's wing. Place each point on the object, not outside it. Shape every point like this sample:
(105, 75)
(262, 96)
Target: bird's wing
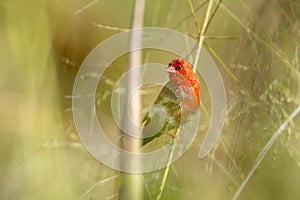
(163, 115)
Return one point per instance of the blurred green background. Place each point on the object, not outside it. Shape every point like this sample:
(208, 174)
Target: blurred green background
(255, 45)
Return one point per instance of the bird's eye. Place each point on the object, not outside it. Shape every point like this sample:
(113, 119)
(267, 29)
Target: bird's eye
(170, 64)
(179, 67)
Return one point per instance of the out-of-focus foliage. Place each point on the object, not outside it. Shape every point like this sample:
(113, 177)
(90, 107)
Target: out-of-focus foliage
(254, 43)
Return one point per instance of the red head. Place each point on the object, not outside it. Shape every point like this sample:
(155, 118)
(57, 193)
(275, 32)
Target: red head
(180, 72)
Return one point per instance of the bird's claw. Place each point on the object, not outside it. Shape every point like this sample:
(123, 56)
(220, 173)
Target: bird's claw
(173, 136)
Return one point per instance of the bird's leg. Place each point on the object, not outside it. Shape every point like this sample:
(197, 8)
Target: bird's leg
(173, 136)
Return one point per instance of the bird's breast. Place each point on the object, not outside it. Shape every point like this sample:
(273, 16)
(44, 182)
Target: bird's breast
(187, 98)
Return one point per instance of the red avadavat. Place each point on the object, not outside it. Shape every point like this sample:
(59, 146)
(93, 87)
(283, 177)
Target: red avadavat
(177, 99)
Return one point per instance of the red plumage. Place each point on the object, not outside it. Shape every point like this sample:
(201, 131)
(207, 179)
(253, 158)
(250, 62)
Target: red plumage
(178, 99)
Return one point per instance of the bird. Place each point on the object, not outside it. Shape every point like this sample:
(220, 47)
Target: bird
(178, 99)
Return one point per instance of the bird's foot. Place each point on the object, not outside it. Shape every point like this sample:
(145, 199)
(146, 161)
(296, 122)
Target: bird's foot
(173, 136)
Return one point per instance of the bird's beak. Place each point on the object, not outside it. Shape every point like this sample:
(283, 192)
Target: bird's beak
(171, 70)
